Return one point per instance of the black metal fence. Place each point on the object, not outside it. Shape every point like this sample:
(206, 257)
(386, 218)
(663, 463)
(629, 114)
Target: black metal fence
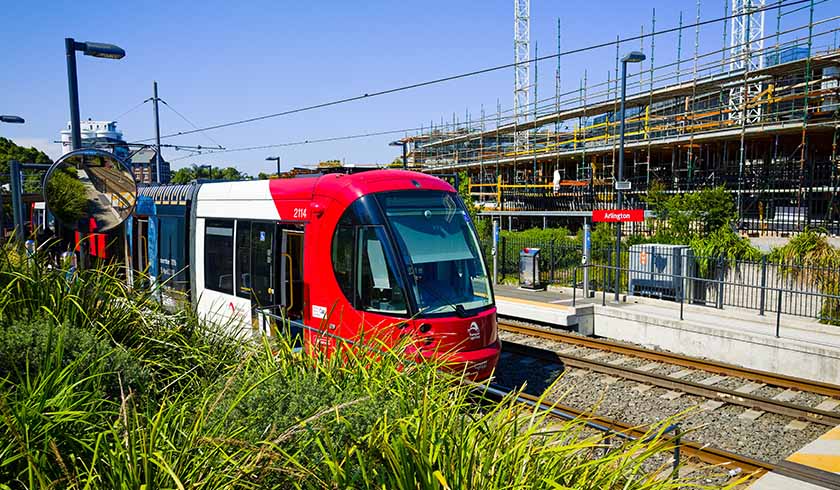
(558, 259)
(674, 273)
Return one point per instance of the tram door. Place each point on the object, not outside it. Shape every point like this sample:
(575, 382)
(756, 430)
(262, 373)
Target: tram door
(290, 298)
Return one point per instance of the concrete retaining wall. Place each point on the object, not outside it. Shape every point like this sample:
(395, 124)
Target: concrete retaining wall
(767, 353)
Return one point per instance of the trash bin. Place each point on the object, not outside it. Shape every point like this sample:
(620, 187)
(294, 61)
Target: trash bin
(529, 269)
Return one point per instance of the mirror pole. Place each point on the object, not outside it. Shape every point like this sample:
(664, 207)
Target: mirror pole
(73, 87)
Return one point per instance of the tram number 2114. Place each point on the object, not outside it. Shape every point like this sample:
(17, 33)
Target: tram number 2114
(299, 213)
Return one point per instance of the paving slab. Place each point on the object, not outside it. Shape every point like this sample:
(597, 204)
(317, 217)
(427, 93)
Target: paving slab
(642, 388)
(711, 405)
(828, 404)
(748, 388)
(682, 374)
(750, 414)
(712, 380)
(786, 395)
(797, 425)
(650, 366)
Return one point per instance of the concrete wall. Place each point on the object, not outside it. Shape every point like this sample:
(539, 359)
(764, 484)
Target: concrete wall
(757, 351)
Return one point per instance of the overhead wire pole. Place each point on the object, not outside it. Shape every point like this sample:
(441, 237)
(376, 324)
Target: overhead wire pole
(155, 100)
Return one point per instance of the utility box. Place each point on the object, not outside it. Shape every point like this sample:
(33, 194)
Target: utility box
(662, 271)
(529, 269)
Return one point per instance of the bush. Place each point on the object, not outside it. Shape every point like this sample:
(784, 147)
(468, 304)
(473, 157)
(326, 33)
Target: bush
(248, 415)
(27, 348)
(813, 261)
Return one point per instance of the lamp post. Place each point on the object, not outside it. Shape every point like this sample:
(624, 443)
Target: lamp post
(632, 57)
(404, 145)
(277, 159)
(98, 50)
(12, 119)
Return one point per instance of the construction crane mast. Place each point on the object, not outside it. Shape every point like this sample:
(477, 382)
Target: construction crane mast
(746, 53)
(522, 76)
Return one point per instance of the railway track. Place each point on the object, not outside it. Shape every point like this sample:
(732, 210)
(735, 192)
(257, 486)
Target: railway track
(772, 379)
(539, 351)
(664, 381)
(734, 463)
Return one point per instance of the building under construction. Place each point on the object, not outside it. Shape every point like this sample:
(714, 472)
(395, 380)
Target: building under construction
(759, 116)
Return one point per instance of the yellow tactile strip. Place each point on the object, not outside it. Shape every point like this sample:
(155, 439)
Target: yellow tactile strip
(534, 303)
(823, 453)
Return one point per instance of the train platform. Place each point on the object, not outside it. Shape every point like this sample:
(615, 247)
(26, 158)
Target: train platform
(816, 466)
(539, 305)
(803, 348)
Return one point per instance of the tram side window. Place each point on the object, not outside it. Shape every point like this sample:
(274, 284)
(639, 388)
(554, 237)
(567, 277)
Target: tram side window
(243, 259)
(218, 256)
(376, 283)
(342, 257)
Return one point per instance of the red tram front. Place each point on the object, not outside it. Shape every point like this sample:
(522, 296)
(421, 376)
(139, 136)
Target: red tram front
(384, 254)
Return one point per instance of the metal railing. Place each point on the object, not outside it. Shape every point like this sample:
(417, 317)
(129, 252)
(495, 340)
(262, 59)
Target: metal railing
(763, 285)
(678, 288)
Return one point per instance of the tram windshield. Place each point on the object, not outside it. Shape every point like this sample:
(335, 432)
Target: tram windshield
(440, 250)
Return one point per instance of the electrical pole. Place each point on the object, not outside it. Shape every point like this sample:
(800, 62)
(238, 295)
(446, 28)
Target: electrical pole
(157, 134)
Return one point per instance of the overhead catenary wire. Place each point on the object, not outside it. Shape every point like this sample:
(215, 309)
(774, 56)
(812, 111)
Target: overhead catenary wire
(130, 110)
(168, 106)
(461, 75)
(305, 142)
(208, 151)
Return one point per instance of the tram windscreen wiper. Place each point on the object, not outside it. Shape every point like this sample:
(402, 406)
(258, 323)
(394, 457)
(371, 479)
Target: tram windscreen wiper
(459, 309)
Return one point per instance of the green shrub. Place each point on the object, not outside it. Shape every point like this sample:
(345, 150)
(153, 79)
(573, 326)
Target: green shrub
(539, 236)
(228, 414)
(812, 260)
(28, 347)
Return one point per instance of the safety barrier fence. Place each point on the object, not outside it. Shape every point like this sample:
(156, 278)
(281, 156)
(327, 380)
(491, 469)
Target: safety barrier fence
(676, 274)
(778, 299)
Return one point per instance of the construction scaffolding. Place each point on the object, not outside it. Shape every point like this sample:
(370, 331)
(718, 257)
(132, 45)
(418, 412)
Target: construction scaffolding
(759, 116)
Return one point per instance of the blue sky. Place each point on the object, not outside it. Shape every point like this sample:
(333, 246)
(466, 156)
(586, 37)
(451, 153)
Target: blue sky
(220, 61)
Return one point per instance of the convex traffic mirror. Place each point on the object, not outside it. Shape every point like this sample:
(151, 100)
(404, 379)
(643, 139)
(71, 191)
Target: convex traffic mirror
(90, 188)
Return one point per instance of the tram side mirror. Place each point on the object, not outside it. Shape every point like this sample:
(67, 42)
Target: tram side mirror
(90, 188)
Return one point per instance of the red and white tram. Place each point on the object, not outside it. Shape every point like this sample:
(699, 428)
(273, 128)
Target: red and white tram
(385, 253)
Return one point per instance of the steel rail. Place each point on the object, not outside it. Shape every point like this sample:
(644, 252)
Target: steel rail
(773, 379)
(664, 381)
(703, 452)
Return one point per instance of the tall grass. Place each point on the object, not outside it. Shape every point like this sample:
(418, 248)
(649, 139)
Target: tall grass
(99, 388)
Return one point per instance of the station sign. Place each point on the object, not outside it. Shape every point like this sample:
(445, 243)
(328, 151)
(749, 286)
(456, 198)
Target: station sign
(618, 215)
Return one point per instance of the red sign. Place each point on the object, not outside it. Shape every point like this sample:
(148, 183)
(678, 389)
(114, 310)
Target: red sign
(618, 215)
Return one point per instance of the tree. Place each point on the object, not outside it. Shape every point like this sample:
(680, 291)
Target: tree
(10, 151)
(482, 226)
(67, 197)
(188, 174)
(32, 180)
(692, 214)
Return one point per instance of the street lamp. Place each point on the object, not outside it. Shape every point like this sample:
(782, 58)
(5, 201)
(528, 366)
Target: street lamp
(277, 159)
(632, 57)
(12, 119)
(404, 145)
(98, 50)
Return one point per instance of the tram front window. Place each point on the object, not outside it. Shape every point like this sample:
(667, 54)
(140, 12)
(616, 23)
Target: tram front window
(440, 250)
